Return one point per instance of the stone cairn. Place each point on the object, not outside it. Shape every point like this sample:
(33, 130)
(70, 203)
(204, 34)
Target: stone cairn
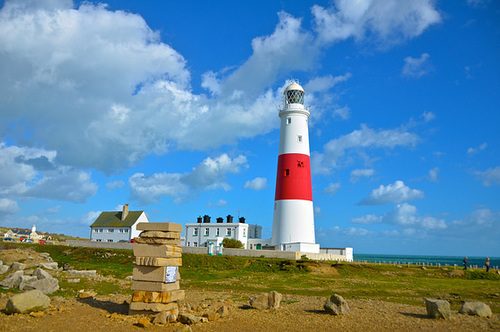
(158, 256)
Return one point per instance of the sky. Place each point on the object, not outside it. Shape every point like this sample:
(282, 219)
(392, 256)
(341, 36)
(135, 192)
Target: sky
(172, 107)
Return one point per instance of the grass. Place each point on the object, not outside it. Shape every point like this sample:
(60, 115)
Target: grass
(403, 284)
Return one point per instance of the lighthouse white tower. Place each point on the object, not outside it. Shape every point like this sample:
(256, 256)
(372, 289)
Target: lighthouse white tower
(293, 221)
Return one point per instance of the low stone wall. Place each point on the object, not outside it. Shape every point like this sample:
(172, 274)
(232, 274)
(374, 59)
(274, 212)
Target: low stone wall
(104, 245)
(226, 251)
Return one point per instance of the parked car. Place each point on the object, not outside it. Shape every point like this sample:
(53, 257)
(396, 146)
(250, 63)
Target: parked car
(9, 239)
(27, 240)
(42, 241)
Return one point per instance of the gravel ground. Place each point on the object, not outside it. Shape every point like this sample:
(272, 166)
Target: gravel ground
(297, 313)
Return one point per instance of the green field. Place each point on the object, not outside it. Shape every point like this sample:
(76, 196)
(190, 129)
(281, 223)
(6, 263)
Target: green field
(253, 275)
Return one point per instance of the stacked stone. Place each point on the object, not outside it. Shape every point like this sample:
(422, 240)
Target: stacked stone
(158, 255)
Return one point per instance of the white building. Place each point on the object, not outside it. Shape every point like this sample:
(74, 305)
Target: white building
(203, 232)
(116, 226)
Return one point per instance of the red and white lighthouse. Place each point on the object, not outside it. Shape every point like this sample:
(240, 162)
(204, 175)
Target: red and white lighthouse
(293, 221)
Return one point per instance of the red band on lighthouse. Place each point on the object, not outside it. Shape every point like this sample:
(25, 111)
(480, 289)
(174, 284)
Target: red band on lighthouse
(293, 180)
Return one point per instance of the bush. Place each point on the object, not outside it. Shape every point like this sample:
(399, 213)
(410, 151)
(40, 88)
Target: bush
(232, 243)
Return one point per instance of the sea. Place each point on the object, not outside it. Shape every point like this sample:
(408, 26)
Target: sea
(427, 260)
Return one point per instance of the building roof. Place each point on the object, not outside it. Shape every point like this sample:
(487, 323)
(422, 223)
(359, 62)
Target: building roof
(113, 219)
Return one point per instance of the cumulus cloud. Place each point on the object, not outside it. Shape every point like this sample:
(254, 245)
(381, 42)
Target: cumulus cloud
(404, 215)
(360, 173)
(210, 174)
(219, 203)
(256, 184)
(489, 177)
(428, 116)
(8, 206)
(416, 67)
(32, 172)
(393, 193)
(332, 188)
(363, 138)
(389, 21)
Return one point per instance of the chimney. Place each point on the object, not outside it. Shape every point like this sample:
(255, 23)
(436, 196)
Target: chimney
(125, 212)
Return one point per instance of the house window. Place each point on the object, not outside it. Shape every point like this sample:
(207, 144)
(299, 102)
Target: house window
(228, 231)
(98, 240)
(195, 232)
(126, 230)
(189, 243)
(121, 230)
(110, 230)
(101, 230)
(195, 244)
(288, 120)
(244, 232)
(96, 230)
(207, 231)
(110, 240)
(217, 232)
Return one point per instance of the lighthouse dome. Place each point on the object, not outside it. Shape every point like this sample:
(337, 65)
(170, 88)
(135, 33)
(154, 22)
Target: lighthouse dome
(294, 94)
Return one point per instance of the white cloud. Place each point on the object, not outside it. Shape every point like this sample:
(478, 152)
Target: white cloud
(428, 116)
(89, 217)
(332, 188)
(367, 219)
(393, 193)
(481, 147)
(325, 83)
(491, 176)
(416, 67)
(317, 211)
(31, 172)
(219, 203)
(390, 21)
(359, 173)
(433, 174)
(363, 138)
(256, 184)
(8, 206)
(210, 174)
(53, 210)
(404, 215)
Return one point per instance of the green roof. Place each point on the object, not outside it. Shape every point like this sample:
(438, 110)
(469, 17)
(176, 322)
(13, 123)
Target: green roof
(113, 219)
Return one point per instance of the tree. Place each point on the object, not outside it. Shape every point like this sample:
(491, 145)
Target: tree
(232, 243)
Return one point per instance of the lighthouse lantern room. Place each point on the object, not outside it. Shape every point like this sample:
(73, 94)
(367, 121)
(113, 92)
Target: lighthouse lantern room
(293, 220)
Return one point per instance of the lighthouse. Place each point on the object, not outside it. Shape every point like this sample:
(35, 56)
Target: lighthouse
(293, 220)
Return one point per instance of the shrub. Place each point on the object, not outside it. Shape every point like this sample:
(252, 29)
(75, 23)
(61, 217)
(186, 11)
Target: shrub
(232, 243)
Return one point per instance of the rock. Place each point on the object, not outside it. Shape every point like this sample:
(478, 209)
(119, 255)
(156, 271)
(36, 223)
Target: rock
(143, 322)
(86, 294)
(16, 266)
(274, 300)
(3, 269)
(88, 273)
(212, 316)
(73, 281)
(12, 280)
(438, 308)
(260, 302)
(41, 274)
(475, 309)
(37, 314)
(160, 318)
(50, 266)
(223, 311)
(128, 278)
(27, 302)
(336, 305)
(189, 319)
(25, 280)
(172, 318)
(47, 286)
(66, 267)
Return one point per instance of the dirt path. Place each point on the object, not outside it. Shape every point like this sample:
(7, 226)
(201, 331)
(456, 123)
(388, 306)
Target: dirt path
(297, 313)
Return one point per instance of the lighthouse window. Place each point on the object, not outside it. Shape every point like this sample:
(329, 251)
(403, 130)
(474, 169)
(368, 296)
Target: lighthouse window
(288, 120)
(295, 97)
(299, 138)
(300, 163)
(287, 172)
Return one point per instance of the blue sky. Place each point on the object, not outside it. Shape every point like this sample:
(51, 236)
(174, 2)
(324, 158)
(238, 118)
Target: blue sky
(171, 106)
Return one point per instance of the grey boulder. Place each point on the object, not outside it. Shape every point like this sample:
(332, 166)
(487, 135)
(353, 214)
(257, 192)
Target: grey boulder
(27, 302)
(475, 309)
(438, 308)
(336, 305)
